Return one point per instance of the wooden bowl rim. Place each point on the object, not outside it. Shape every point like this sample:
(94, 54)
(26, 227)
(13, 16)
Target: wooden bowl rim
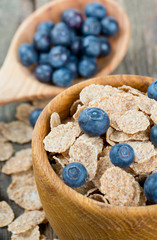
(109, 68)
(47, 170)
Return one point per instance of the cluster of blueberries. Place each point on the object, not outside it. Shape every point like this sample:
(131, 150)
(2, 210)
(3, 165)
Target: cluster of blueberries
(70, 48)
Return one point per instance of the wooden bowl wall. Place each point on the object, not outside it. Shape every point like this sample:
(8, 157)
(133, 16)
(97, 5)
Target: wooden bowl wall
(73, 216)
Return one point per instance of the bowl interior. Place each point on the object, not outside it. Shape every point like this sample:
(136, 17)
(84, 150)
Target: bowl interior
(61, 104)
(53, 10)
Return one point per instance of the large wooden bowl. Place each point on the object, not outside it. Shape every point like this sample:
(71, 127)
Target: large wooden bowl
(73, 216)
(20, 77)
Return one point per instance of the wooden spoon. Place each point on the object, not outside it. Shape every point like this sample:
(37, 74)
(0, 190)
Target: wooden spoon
(18, 82)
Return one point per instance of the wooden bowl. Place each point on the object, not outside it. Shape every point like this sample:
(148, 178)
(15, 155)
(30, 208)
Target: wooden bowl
(73, 216)
(21, 77)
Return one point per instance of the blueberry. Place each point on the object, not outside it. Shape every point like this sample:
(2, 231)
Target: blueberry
(45, 26)
(76, 45)
(150, 188)
(73, 18)
(91, 46)
(34, 116)
(87, 68)
(73, 34)
(72, 66)
(94, 121)
(93, 59)
(91, 26)
(105, 47)
(41, 41)
(74, 174)
(43, 58)
(96, 10)
(43, 73)
(61, 35)
(27, 54)
(58, 56)
(122, 155)
(152, 90)
(62, 77)
(153, 135)
(109, 26)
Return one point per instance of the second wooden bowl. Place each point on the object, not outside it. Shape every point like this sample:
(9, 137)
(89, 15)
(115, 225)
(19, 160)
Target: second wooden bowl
(73, 216)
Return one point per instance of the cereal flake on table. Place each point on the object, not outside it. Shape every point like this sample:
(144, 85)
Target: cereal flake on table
(6, 151)
(6, 214)
(31, 234)
(26, 197)
(26, 221)
(22, 161)
(23, 111)
(17, 131)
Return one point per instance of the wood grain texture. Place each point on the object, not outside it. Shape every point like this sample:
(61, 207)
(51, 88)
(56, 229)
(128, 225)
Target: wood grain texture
(72, 215)
(141, 57)
(19, 82)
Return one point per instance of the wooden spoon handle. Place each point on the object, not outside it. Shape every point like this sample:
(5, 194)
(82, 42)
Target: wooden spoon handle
(17, 83)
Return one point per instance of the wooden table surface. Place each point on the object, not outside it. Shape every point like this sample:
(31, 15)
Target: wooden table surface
(141, 58)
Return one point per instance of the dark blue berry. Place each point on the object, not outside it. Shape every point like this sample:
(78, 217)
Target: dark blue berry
(94, 121)
(45, 26)
(73, 34)
(122, 155)
(76, 45)
(41, 41)
(93, 59)
(61, 35)
(91, 46)
(72, 66)
(43, 73)
(87, 68)
(150, 188)
(153, 135)
(34, 116)
(58, 56)
(27, 54)
(74, 174)
(62, 77)
(43, 58)
(91, 26)
(95, 9)
(73, 18)
(109, 26)
(105, 47)
(152, 90)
